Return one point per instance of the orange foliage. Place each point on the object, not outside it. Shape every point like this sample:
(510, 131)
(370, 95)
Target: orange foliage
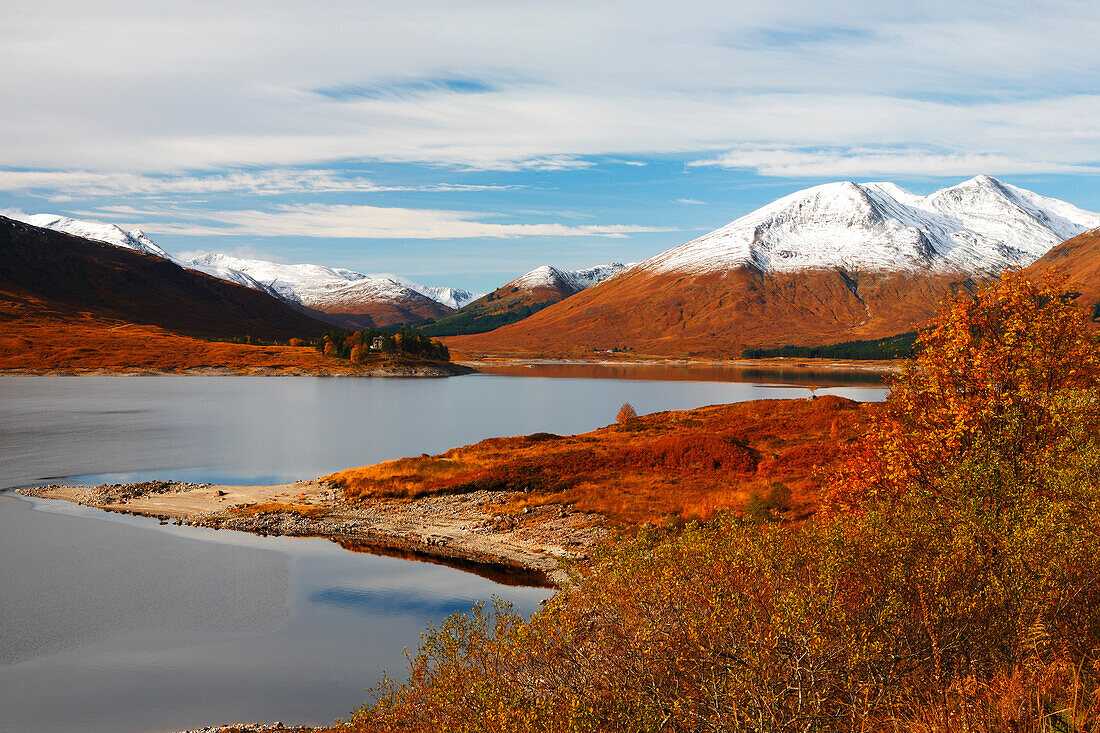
(695, 452)
(626, 414)
(998, 373)
(275, 507)
(689, 464)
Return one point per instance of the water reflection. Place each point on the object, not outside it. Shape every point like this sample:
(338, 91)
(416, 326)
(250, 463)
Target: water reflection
(372, 603)
(691, 373)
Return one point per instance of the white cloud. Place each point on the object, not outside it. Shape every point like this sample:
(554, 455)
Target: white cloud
(350, 222)
(264, 182)
(159, 87)
(688, 201)
(861, 162)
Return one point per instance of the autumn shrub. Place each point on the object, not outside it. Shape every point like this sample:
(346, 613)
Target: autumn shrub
(954, 585)
(696, 452)
(833, 625)
(626, 414)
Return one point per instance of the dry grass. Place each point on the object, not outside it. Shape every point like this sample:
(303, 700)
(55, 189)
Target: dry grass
(689, 464)
(276, 507)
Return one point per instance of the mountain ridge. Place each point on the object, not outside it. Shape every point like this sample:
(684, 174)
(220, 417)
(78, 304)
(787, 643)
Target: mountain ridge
(831, 263)
(520, 298)
(135, 286)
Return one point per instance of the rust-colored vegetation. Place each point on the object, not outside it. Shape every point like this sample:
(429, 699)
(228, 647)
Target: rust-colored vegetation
(37, 334)
(276, 507)
(686, 465)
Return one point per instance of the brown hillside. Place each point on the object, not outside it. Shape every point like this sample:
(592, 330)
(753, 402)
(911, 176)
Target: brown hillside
(114, 283)
(376, 314)
(41, 335)
(721, 313)
(1079, 259)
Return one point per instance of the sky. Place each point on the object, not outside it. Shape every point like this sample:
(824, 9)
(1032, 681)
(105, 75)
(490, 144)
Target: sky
(464, 143)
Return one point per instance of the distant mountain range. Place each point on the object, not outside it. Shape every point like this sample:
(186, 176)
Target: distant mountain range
(341, 297)
(71, 274)
(352, 299)
(837, 262)
(519, 299)
(832, 263)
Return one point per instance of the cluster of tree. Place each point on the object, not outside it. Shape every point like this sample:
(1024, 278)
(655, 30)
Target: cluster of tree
(949, 584)
(901, 346)
(359, 345)
(477, 320)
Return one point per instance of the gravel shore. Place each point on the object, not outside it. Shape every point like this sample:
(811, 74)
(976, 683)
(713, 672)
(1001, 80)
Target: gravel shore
(468, 531)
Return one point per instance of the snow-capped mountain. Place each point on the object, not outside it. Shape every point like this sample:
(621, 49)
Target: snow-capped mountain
(980, 226)
(359, 299)
(839, 262)
(549, 276)
(330, 290)
(450, 297)
(107, 233)
(322, 288)
(519, 298)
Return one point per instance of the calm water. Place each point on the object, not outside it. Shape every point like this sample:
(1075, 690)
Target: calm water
(113, 623)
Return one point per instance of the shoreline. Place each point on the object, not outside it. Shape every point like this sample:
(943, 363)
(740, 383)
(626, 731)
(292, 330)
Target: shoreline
(463, 366)
(460, 531)
(776, 363)
(421, 371)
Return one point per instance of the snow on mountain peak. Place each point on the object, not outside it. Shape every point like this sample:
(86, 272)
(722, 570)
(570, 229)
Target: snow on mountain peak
(448, 296)
(314, 286)
(548, 276)
(106, 233)
(979, 226)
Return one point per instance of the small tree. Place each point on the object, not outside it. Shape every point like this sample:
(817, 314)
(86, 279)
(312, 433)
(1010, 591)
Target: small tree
(1002, 378)
(626, 414)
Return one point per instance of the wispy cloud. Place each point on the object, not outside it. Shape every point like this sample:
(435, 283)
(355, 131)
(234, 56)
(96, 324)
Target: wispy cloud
(404, 88)
(848, 74)
(63, 185)
(688, 201)
(342, 221)
(795, 36)
(862, 162)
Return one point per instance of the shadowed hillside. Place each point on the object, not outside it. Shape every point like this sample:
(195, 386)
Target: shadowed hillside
(115, 283)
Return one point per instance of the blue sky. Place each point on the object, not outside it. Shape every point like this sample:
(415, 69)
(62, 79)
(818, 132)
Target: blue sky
(465, 143)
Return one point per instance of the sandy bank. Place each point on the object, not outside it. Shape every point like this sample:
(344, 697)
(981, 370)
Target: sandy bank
(463, 531)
